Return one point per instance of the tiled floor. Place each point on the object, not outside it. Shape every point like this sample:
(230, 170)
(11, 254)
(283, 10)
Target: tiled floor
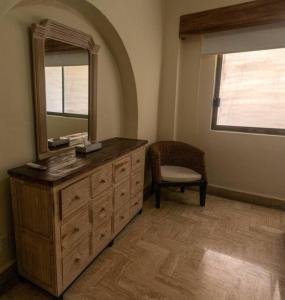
(227, 250)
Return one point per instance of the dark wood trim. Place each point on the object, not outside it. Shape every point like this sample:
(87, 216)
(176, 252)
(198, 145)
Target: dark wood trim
(246, 197)
(72, 164)
(8, 278)
(255, 130)
(50, 113)
(254, 13)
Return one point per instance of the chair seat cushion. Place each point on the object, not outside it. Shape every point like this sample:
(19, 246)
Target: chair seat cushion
(178, 174)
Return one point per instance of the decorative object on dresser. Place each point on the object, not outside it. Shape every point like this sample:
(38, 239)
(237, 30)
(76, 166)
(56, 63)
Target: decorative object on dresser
(65, 216)
(178, 164)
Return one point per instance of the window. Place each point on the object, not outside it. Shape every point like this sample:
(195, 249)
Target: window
(250, 92)
(67, 90)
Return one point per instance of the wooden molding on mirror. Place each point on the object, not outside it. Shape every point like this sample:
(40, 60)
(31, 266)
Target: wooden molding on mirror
(253, 13)
(48, 29)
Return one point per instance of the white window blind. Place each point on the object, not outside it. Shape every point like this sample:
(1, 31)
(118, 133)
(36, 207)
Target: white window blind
(76, 90)
(53, 77)
(250, 39)
(252, 89)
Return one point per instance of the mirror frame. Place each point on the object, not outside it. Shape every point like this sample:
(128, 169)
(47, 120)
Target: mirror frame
(49, 29)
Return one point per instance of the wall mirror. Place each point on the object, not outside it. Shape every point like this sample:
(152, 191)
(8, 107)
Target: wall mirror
(65, 87)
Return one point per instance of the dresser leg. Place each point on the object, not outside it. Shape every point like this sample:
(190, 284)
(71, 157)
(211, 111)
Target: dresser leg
(111, 243)
(58, 297)
(140, 212)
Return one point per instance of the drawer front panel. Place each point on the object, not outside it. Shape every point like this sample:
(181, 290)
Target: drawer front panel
(121, 218)
(136, 204)
(137, 182)
(121, 194)
(75, 262)
(121, 169)
(102, 236)
(138, 159)
(101, 180)
(74, 197)
(102, 209)
(73, 230)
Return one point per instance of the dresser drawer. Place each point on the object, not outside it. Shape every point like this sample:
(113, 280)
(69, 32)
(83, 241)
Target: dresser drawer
(121, 194)
(121, 218)
(136, 204)
(74, 197)
(121, 168)
(75, 262)
(137, 182)
(102, 209)
(74, 229)
(101, 180)
(101, 237)
(138, 158)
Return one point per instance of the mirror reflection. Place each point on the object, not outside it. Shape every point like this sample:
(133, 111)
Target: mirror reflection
(67, 93)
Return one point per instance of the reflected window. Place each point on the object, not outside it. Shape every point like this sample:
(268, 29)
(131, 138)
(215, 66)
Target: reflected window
(67, 90)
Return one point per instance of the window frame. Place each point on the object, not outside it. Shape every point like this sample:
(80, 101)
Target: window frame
(216, 104)
(64, 114)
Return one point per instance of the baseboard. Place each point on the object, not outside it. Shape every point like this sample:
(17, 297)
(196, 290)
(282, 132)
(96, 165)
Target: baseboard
(8, 278)
(246, 197)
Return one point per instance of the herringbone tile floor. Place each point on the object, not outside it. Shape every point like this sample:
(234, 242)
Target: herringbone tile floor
(227, 250)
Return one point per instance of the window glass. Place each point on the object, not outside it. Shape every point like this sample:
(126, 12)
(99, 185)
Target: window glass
(252, 89)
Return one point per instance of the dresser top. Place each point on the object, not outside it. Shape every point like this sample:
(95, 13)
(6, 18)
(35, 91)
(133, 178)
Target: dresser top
(69, 164)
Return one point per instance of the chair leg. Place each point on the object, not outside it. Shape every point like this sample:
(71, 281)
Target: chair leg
(182, 189)
(203, 193)
(157, 196)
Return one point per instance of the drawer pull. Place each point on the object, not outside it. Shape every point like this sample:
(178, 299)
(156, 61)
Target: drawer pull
(75, 198)
(138, 182)
(103, 181)
(122, 217)
(123, 170)
(77, 260)
(138, 161)
(102, 210)
(122, 194)
(102, 236)
(75, 230)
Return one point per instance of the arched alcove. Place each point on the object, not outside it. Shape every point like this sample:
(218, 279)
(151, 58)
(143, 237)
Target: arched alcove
(112, 39)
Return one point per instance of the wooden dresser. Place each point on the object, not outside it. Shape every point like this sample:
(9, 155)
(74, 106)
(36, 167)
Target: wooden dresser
(65, 216)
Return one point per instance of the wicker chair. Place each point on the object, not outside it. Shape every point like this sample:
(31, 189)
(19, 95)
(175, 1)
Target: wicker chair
(178, 164)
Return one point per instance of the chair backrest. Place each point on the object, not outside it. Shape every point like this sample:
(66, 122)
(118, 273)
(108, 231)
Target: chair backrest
(177, 154)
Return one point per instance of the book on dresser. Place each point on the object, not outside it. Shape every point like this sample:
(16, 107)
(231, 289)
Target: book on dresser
(65, 216)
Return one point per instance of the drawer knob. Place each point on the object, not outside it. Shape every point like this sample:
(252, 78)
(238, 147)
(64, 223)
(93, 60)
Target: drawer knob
(136, 203)
(122, 194)
(103, 181)
(138, 161)
(123, 170)
(122, 217)
(75, 230)
(102, 236)
(75, 198)
(137, 182)
(102, 209)
(77, 260)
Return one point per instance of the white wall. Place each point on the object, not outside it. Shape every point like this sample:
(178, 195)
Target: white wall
(245, 162)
